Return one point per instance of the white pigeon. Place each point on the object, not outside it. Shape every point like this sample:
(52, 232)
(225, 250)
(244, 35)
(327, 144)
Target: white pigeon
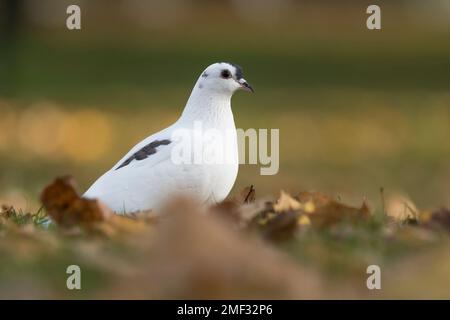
(147, 175)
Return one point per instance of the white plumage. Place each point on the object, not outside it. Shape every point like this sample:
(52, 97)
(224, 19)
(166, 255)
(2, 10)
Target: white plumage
(148, 175)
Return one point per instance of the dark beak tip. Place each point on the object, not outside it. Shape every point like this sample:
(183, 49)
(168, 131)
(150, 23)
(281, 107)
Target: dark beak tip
(249, 87)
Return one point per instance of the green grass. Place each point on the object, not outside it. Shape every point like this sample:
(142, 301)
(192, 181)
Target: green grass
(19, 217)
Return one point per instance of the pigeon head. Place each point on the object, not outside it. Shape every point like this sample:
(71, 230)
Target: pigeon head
(224, 78)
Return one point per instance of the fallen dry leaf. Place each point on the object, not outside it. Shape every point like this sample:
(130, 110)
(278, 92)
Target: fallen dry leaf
(282, 219)
(437, 220)
(67, 209)
(327, 211)
(282, 226)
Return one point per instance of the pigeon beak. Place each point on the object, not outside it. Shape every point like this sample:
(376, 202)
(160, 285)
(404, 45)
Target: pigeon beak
(245, 85)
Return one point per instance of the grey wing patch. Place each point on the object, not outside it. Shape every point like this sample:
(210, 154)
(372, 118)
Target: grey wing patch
(144, 152)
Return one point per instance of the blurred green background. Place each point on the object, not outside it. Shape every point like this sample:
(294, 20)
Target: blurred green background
(357, 109)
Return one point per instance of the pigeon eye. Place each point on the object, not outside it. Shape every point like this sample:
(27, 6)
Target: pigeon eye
(225, 74)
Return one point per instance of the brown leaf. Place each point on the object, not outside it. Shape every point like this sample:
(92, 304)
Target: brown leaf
(282, 226)
(319, 199)
(67, 209)
(327, 211)
(282, 219)
(438, 220)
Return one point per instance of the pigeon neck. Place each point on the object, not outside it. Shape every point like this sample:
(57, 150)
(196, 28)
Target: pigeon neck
(209, 107)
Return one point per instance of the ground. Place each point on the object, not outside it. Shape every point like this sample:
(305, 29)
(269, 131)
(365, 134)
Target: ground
(299, 246)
